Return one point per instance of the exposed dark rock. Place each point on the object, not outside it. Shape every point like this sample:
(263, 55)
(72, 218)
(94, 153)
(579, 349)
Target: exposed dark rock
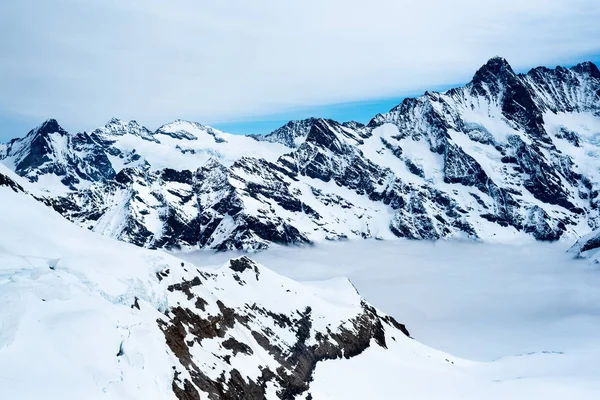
(185, 286)
(289, 133)
(241, 264)
(6, 181)
(237, 347)
(297, 361)
(136, 304)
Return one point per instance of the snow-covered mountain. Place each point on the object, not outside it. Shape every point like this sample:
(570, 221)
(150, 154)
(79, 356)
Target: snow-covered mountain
(506, 156)
(86, 316)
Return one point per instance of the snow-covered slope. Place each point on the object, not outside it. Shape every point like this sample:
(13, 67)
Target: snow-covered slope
(508, 156)
(85, 316)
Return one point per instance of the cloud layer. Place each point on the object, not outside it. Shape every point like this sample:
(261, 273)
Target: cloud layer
(214, 61)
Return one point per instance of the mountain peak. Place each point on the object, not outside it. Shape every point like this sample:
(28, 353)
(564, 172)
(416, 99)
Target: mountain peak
(180, 124)
(292, 134)
(119, 127)
(189, 130)
(323, 133)
(50, 126)
(119, 122)
(114, 121)
(496, 67)
(587, 67)
(392, 170)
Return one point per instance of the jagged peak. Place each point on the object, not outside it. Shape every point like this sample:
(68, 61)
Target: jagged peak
(325, 122)
(291, 133)
(47, 127)
(183, 122)
(119, 127)
(184, 129)
(543, 70)
(114, 121)
(293, 124)
(122, 123)
(353, 124)
(311, 120)
(588, 68)
(215, 172)
(498, 60)
(213, 163)
(585, 68)
(495, 68)
(324, 133)
(403, 106)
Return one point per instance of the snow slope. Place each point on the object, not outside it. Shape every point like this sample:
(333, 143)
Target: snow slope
(85, 316)
(66, 296)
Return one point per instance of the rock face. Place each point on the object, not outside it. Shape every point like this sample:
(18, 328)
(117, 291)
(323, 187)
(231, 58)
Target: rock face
(7, 181)
(268, 334)
(506, 155)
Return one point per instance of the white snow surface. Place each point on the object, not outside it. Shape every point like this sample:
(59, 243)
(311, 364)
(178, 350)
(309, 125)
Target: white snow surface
(185, 145)
(524, 319)
(68, 328)
(66, 296)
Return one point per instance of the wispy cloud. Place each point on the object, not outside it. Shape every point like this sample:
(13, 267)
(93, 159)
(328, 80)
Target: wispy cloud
(214, 61)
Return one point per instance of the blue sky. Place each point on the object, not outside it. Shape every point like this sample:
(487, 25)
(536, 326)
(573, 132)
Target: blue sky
(249, 67)
(362, 111)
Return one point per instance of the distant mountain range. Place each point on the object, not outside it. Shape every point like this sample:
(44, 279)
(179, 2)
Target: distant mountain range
(506, 156)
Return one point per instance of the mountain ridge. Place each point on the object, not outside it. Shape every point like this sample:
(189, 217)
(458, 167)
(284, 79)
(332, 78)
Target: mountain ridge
(505, 155)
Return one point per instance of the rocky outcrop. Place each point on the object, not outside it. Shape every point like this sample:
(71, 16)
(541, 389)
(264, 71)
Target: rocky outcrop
(291, 134)
(285, 342)
(6, 181)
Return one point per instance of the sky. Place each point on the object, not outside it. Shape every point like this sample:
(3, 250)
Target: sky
(248, 67)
